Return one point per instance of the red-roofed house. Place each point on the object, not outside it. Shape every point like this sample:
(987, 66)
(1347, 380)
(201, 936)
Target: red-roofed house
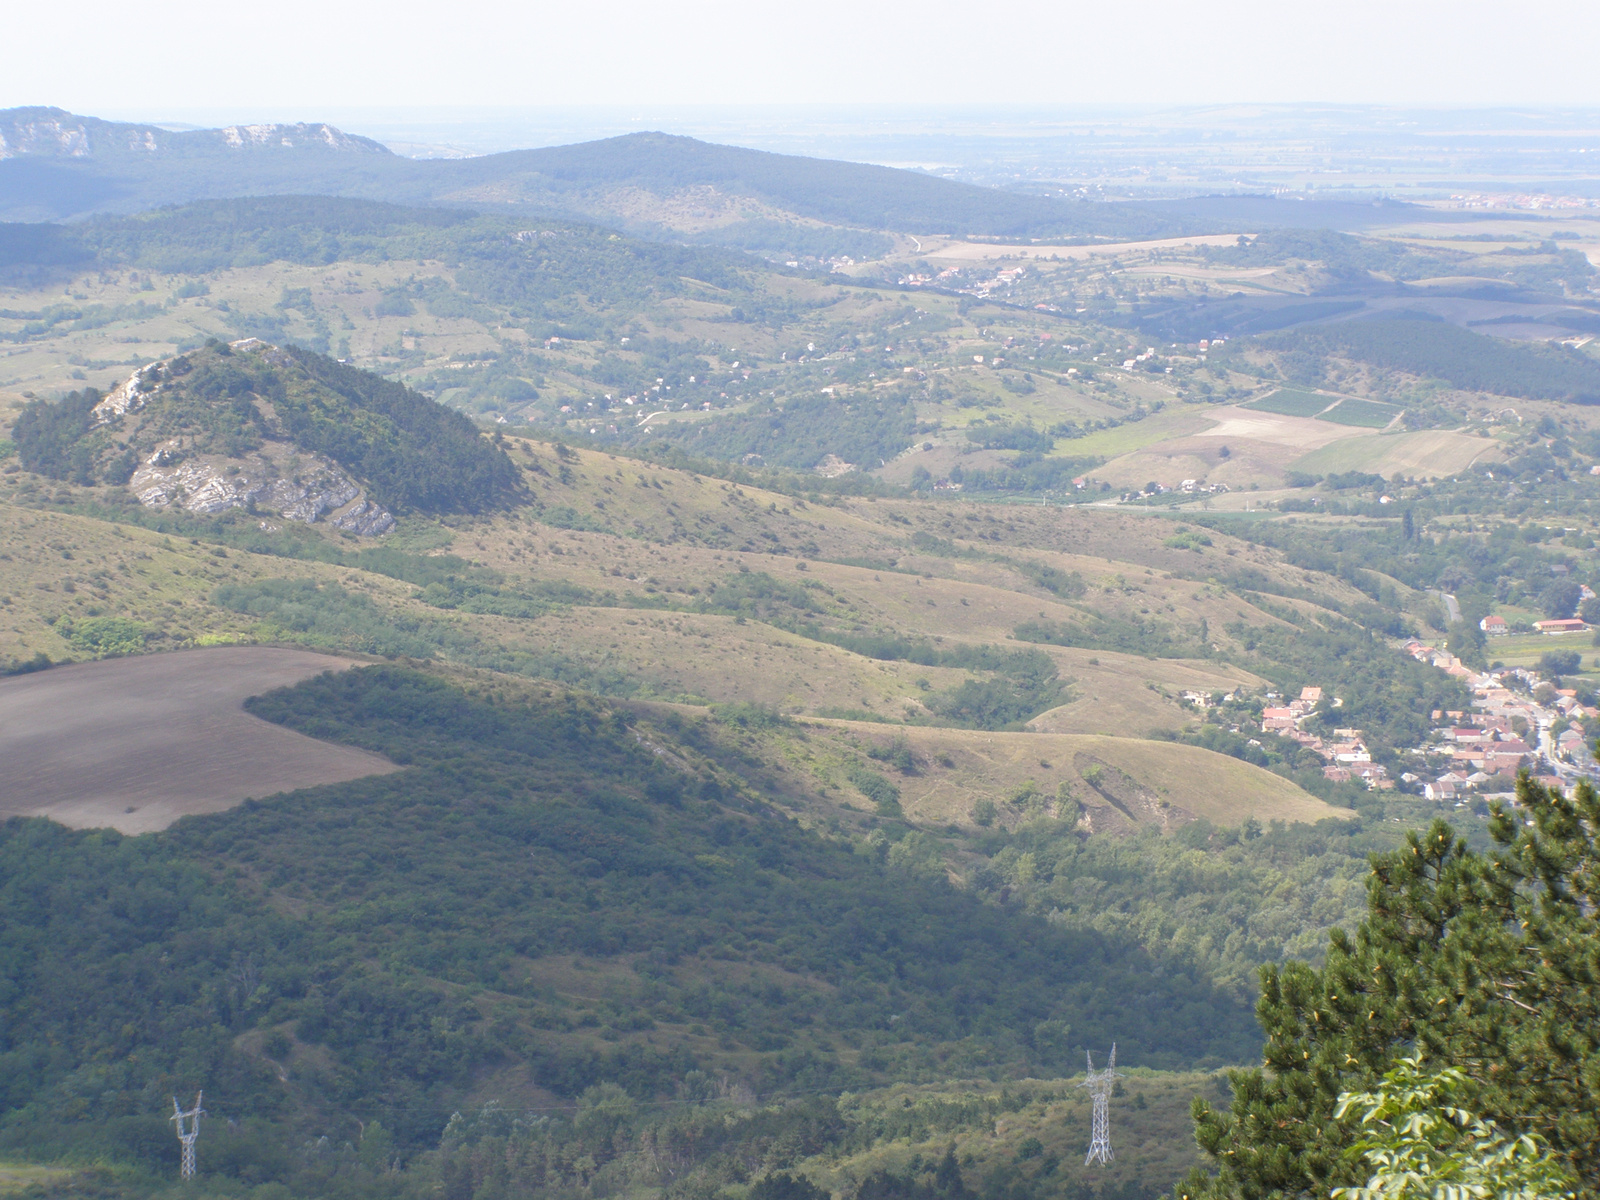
(1277, 720)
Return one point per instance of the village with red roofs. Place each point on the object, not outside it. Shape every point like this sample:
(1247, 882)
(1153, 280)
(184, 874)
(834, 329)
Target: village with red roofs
(1518, 722)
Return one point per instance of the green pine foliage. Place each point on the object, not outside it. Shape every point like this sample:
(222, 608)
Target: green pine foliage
(1486, 963)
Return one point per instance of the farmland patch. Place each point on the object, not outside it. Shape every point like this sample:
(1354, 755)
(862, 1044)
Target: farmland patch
(135, 743)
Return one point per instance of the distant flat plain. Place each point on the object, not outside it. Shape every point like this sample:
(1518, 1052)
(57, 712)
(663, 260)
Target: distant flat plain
(135, 743)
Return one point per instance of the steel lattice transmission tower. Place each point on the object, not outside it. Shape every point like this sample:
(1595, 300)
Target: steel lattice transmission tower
(188, 1131)
(1100, 1084)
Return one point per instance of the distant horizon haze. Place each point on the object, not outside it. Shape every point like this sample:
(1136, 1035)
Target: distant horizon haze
(182, 56)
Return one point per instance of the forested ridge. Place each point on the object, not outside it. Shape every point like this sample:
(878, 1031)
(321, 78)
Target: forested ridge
(1462, 359)
(847, 194)
(417, 454)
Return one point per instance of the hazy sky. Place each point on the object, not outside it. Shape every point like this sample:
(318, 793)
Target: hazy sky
(154, 59)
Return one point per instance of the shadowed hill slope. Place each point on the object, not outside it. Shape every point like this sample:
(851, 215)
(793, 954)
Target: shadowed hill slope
(438, 909)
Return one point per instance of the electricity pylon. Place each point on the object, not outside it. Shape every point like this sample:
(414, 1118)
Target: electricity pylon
(1100, 1084)
(188, 1131)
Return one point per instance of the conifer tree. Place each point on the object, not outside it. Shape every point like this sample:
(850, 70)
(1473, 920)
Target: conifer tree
(1489, 964)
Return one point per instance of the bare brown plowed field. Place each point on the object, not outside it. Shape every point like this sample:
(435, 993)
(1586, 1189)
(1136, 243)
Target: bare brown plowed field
(135, 743)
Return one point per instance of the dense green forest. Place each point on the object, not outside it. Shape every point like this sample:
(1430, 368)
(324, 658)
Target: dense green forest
(1223, 901)
(29, 249)
(392, 930)
(416, 454)
(50, 436)
(791, 238)
(212, 235)
(1460, 358)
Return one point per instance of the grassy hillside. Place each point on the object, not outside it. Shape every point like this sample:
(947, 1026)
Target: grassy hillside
(645, 580)
(1183, 782)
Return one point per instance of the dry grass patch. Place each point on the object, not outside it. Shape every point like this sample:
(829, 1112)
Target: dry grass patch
(955, 768)
(1428, 454)
(694, 655)
(1126, 695)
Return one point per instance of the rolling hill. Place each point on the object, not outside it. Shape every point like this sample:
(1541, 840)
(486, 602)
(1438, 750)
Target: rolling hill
(55, 164)
(251, 426)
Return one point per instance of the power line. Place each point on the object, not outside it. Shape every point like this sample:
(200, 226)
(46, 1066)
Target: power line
(188, 1131)
(1100, 1084)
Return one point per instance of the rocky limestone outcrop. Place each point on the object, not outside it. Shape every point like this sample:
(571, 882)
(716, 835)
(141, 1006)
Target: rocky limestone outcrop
(277, 478)
(128, 396)
(298, 487)
(39, 132)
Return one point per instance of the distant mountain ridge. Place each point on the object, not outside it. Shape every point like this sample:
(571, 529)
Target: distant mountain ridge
(55, 133)
(56, 165)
